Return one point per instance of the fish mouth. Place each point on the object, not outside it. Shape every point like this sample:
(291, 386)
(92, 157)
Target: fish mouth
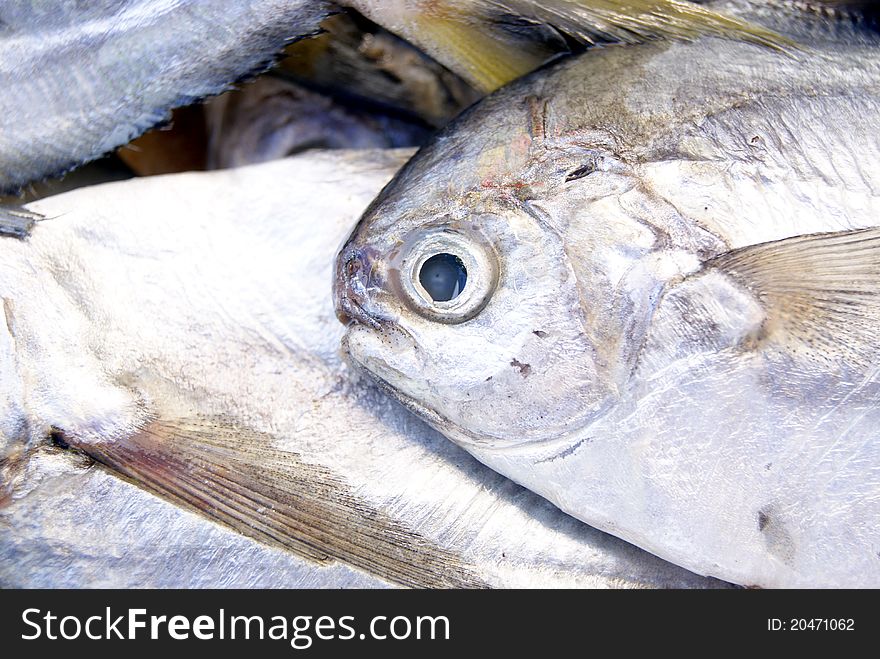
(353, 280)
(381, 375)
(393, 382)
(387, 379)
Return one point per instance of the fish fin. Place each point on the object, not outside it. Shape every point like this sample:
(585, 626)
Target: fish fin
(237, 477)
(485, 58)
(820, 293)
(16, 221)
(491, 42)
(634, 21)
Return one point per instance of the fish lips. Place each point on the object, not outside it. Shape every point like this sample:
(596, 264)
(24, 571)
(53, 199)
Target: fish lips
(354, 284)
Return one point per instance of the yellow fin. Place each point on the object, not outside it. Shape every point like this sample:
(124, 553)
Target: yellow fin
(820, 293)
(491, 42)
(486, 58)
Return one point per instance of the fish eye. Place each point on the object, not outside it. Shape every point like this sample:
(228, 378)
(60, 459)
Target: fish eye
(443, 276)
(447, 276)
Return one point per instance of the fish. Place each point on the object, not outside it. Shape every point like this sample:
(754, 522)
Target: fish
(272, 118)
(491, 43)
(79, 80)
(363, 65)
(643, 284)
(175, 411)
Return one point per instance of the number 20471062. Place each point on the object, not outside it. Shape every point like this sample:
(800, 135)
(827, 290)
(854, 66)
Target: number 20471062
(811, 624)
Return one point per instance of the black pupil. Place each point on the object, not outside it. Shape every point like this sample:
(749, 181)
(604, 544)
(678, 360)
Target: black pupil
(443, 276)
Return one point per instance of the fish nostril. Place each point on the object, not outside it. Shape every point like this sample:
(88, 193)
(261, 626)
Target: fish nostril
(352, 266)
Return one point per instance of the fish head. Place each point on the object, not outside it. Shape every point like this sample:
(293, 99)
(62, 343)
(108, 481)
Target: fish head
(460, 322)
(463, 297)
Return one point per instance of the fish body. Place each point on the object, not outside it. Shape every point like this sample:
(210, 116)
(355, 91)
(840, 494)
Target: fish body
(80, 79)
(670, 332)
(179, 331)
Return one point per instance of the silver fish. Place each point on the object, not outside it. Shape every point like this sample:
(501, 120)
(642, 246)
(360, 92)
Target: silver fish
(643, 284)
(79, 79)
(272, 118)
(180, 331)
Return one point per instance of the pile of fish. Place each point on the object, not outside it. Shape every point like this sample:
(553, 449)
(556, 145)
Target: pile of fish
(181, 331)
(636, 287)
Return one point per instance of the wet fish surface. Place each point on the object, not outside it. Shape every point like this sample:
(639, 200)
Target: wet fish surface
(179, 331)
(273, 118)
(78, 80)
(643, 283)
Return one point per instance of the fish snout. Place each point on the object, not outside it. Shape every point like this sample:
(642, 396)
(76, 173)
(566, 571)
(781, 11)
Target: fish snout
(354, 280)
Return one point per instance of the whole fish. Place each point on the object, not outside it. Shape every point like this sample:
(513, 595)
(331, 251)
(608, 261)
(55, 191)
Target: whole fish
(179, 330)
(79, 79)
(643, 283)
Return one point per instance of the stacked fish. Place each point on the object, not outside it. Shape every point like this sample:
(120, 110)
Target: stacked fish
(636, 288)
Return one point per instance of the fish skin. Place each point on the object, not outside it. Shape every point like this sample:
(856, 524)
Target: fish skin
(603, 188)
(59, 536)
(273, 118)
(80, 79)
(205, 298)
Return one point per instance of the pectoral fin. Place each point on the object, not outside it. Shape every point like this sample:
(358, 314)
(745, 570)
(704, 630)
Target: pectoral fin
(820, 293)
(491, 42)
(237, 477)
